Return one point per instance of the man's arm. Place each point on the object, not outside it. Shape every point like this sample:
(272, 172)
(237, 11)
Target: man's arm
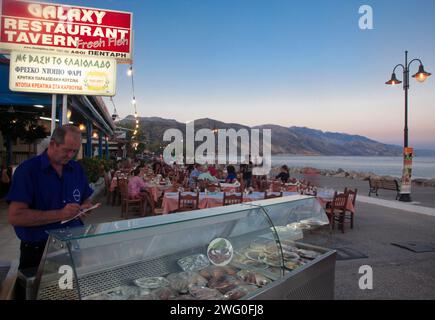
(20, 215)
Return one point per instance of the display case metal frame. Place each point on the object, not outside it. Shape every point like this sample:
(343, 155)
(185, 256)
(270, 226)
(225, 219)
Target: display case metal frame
(314, 280)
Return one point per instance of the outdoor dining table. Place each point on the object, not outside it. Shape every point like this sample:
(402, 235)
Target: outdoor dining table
(210, 199)
(156, 190)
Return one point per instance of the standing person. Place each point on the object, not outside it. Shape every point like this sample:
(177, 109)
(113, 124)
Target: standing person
(246, 170)
(5, 180)
(231, 176)
(46, 190)
(284, 174)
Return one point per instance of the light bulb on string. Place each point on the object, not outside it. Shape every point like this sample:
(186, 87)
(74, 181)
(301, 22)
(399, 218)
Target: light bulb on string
(130, 71)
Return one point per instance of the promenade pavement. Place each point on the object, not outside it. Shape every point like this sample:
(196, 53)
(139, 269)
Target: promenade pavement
(397, 273)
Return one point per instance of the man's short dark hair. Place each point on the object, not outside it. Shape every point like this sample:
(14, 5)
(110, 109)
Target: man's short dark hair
(59, 133)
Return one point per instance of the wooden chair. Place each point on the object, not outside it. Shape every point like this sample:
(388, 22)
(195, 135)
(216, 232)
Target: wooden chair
(262, 185)
(292, 188)
(212, 187)
(187, 202)
(129, 204)
(232, 199)
(351, 199)
(337, 210)
(147, 199)
(276, 186)
(202, 185)
(272, 195)
(109, 194)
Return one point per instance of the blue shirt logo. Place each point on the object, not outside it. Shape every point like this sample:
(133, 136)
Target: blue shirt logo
(76, 195)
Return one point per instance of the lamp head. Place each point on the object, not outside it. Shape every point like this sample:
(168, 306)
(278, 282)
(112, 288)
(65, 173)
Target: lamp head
(393, 80)
(421, 75)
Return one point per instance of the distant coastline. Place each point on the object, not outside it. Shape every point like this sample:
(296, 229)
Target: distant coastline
(359, 167)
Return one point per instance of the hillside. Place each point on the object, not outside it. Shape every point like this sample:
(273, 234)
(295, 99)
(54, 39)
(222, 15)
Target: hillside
(291, 140)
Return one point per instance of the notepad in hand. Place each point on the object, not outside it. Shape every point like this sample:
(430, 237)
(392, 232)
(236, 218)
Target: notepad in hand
(82, 212)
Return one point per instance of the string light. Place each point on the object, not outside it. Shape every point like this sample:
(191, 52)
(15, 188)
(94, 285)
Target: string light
(115, 114)
(133, 102)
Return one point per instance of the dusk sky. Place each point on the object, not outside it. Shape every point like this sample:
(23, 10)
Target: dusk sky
(292, 63)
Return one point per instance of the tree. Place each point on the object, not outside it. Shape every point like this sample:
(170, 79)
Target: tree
(23, 126)
(139, 137)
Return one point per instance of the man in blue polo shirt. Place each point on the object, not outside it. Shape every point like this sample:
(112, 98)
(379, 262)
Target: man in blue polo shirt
(46, 190)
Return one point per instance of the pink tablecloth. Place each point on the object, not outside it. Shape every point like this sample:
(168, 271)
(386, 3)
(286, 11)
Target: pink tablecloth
(228, 187)
(211, 200)
(156, 191)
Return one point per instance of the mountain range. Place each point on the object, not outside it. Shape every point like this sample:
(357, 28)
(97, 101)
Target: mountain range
(285, 140)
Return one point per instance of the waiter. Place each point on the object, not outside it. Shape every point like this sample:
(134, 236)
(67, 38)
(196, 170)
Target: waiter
(46, 190)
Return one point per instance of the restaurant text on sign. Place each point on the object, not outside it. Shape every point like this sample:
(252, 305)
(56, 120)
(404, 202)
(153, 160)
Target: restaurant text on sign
(30, 26)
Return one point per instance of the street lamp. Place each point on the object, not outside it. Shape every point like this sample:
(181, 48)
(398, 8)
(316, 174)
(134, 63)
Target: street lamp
(420, 76)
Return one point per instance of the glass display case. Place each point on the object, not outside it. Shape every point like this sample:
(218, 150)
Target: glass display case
(246, 251)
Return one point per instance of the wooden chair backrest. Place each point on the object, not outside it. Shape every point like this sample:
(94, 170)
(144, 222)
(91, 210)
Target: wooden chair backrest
(188, 201)
(351, 195)
(340, 201)
(230, 199)
(276, 186)
(212, 187)
(123, 187)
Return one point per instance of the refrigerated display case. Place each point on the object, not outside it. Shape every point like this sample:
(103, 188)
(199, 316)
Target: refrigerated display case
(254, 250)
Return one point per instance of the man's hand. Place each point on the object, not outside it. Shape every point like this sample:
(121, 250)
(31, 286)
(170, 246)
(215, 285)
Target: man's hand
(70, 211)
(85, 206)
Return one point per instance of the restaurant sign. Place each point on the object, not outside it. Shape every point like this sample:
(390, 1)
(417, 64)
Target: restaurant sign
(62, 74)
(58, 28)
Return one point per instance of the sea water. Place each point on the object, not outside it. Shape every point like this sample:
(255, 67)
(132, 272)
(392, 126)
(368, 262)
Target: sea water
(423, 167)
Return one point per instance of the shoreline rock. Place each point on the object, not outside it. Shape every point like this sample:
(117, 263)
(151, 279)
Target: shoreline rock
(341, 173)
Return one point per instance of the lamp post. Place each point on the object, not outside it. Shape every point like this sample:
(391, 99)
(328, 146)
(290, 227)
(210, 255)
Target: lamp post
(420, 76)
